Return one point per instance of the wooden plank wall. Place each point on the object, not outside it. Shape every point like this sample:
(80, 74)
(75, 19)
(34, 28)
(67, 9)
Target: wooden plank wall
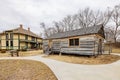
(85, 48)
(88, 45)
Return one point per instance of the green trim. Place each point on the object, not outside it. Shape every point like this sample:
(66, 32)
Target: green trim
(29, 41)
(9, 39)
(8, 47)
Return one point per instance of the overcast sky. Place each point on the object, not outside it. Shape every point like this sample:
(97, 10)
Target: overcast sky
(31, 12)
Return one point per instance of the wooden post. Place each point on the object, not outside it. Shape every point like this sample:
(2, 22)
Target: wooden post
(110, 48)
(11, 54)
(17, 53)
(60, 54)
(60, 49)
(94, 49)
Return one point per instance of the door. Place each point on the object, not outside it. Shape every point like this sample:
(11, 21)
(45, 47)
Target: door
(100, 46)
(50, 43)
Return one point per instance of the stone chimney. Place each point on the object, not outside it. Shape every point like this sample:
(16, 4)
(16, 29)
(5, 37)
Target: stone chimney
(21, 26)
(28, 29)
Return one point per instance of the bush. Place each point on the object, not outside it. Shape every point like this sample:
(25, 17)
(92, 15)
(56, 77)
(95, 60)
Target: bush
(116, 45)
(3, 51)
(24, 48)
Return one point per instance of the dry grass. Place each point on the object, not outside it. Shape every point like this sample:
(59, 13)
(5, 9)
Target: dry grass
(4, 55)
(24, 70)
(24, 53)
(116, 50)
(31, 53)
(101, 59)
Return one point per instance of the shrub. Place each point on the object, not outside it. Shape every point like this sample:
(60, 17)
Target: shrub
(24, 48)
(3, 51)
(116, 45)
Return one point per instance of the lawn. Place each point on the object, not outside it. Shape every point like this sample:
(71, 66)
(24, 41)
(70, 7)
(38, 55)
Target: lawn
(25, 70)
(24, 53)
(115, 50)
(101, 59)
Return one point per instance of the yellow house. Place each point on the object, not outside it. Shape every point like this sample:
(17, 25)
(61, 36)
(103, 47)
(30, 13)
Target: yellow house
(19, 38)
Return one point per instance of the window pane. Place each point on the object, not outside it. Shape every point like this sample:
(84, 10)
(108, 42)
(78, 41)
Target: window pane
(7, 43)
(77, 42)
(7, 36)
(26, 45)
(26, 37)
(11, 35)
(71, 42)
(11, 43)
(33, 38)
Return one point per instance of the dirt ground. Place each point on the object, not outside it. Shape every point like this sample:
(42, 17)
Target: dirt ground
(101, 59)
(23, 53)
(24, 70)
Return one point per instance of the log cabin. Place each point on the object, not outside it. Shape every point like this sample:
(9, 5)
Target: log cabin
(84, 41)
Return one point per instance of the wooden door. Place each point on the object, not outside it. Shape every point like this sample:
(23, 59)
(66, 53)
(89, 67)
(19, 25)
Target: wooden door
(100, 46)
(50, 43)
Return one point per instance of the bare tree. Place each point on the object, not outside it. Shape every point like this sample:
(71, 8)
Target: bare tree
(85, 18)
(68, 23)
(42, 25)
(40, 34)
(109, 34)
(116, 21)
(57, 27)
(46, 29)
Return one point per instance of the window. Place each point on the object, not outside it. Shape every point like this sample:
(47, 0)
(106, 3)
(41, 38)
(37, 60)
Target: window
(7, 43)
(33, 38)
(71, 42)
(11, 43)
(74, 42)
(7, 36)
(11, 35)
(26, 44)
(26, 37)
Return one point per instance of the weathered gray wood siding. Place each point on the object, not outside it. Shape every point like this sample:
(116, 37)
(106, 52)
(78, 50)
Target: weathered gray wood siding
(64, 43)
(45, 42)
(88, 45)
(56, 46)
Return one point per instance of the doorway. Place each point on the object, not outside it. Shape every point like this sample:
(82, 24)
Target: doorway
(100, 47)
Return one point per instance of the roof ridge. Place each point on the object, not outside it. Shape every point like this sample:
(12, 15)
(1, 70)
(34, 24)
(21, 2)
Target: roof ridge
(82, 31)
(21, 30)
(79, 29)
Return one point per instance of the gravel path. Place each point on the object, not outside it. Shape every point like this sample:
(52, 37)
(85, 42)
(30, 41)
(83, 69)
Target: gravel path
(69, 71)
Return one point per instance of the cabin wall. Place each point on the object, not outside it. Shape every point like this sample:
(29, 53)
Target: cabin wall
(88, 45)
(85, 47)
(45, 42)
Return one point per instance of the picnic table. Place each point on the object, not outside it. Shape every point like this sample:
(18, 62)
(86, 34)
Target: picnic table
(14, 52)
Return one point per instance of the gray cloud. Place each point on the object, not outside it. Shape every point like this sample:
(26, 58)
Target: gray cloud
(32, 12)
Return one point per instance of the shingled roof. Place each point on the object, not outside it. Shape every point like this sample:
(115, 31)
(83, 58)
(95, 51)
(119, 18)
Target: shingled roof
(20, 30)
(83, 31)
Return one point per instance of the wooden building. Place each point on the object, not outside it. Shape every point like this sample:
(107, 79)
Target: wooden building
(19, 38)
(84, 41)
